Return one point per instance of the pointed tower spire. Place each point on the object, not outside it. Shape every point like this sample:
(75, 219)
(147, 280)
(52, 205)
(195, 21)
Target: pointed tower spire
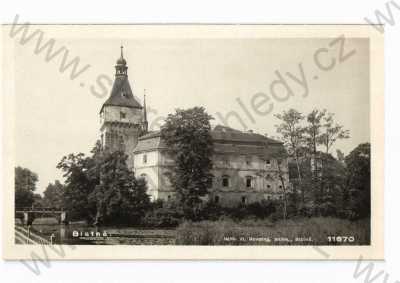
(120, 68)
(145, 123)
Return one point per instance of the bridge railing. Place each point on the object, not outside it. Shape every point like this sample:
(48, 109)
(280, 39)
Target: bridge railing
(25, 236)
(39, 209)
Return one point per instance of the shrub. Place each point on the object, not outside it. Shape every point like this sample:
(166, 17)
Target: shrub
(261, 209)
(212, 211)
(163, 215)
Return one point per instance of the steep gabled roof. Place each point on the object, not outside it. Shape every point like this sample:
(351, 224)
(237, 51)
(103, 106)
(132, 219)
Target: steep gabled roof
(121, 94)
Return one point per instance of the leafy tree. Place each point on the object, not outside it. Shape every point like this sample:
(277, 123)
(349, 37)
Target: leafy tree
(53, 195)
(333, 180)
(187, 135)
(281, 160)
(292, 133)
(78, 186)
(25, 185)
(332, 132)
(340, 155)
(119, 197)
(321, 130)
(101, 189)
(358, 165)
(37, 200)
(313, 133)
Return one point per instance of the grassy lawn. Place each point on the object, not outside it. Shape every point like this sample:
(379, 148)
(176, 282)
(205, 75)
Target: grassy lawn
(301, 231)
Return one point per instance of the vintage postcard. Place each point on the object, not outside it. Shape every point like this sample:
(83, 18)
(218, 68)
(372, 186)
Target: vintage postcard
(192, 141)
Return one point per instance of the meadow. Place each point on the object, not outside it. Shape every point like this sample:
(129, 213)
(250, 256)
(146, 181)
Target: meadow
(299, 231)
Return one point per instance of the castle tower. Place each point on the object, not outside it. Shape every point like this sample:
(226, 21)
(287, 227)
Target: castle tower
(121, 116)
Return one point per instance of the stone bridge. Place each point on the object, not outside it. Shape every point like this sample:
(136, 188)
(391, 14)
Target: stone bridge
(28, 214)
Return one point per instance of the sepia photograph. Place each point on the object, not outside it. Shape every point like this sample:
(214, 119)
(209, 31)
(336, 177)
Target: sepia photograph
(188, 136)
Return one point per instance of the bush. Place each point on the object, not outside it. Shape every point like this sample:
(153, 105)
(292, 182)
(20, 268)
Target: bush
(256, 210)
(261, 209)
(212, 211)
(162, 218)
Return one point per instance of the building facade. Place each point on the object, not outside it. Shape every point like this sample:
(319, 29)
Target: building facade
(245, 167)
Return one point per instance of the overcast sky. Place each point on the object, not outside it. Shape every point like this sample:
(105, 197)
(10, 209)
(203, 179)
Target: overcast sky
(56, 116)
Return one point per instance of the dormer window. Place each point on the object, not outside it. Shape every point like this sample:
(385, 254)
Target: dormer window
(122, 115)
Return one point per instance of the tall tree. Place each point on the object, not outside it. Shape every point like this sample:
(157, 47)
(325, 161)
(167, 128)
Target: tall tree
(37, 200)
(313, 130)
(292, 134)
(53, 195)
(332, 132)
(187, 134)
(101, 189)
(358, 165)
(281, 163)
(119, 197)
(333, 180)
(25, 186)
(78, 186)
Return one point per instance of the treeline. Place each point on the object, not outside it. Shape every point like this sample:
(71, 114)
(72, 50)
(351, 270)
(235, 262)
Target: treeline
(99, 189)
(322, 184)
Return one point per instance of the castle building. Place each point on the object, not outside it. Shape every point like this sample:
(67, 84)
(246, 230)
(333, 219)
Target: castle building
(245, 169)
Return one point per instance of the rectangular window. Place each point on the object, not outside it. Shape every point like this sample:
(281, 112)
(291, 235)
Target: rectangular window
(225, 181)
(122, 115)
(144, 158)
(248, 182)
(268, 162)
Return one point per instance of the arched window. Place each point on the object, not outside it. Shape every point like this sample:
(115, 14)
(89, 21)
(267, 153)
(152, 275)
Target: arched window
(244, 200)
(225, 181)
(216, 199)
